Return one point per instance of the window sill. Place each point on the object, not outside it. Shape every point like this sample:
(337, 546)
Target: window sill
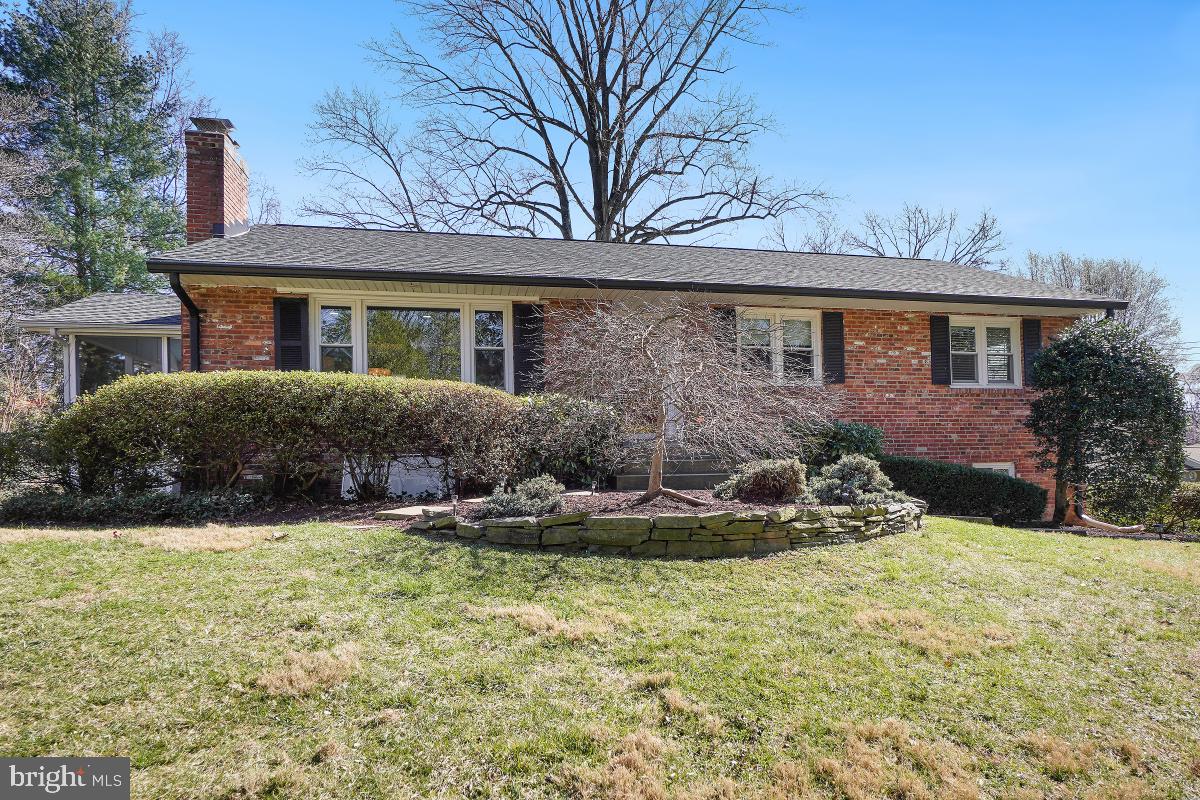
(986, 386)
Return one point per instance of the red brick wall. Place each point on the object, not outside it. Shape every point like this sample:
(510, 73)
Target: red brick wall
(237, 330)
(218, 187)
(888, 381)
(888, 384)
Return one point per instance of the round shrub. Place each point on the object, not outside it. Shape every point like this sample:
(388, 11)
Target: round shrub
(531, 498)
(848, 439)
(1183, 509)
(854, 481)
(205, 430)
(772, 480)
(966, 491)
(577, 441)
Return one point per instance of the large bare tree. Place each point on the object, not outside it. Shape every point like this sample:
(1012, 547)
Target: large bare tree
(610, 120)
(1150, 312)
(26, 364)
(914, 232)
(671, 368)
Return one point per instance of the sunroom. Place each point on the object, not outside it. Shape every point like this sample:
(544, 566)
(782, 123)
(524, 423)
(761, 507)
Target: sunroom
(107, 336)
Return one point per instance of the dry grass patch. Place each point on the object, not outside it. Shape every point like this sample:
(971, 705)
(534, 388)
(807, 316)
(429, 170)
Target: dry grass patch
(676, 704)
(634, 772)
(924, 632)
(285, 781)
(386, 717)
(329, 751)
(1060, 759)
(208, 539)
(304, 673)
(653, 681)
(886, 759)
(543, 622)
(1186, 572)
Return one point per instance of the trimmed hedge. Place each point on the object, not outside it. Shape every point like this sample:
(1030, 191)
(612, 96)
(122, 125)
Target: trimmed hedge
(848, 439)
(204, 430)
(49, 506)
(966, 491)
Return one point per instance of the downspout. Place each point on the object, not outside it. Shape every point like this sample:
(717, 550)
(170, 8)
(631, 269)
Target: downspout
(193, 320)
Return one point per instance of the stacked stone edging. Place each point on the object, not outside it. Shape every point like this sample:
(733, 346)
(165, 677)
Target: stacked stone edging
(713, 535)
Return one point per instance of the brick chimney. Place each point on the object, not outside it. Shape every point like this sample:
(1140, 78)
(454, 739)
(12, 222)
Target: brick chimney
(218, 187)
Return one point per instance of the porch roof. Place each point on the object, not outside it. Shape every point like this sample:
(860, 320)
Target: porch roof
(109, 312)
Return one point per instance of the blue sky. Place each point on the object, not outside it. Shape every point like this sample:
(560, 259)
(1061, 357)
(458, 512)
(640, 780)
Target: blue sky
(1077, 124)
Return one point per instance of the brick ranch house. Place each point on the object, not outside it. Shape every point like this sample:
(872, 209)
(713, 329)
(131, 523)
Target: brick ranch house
(934, 353)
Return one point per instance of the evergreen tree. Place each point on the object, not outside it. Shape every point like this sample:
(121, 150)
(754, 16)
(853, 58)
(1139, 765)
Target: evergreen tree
(106, 133)
(1109, 419)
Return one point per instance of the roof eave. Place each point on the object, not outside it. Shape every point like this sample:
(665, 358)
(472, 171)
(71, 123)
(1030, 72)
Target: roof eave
(166, 266)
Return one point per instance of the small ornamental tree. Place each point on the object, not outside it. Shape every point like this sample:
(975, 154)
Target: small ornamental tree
(671, 369)
(1109, 420)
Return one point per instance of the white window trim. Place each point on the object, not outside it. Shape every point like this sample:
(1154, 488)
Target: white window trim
(980, 323)
(777, 316)
(71, 389)
(358, 305)
(999, 466)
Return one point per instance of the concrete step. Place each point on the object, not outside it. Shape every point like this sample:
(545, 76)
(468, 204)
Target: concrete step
(633, 481)
(679, 467)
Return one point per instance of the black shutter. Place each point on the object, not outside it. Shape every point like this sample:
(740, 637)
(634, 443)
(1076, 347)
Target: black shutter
(1031, 345)
(291, 333)
(528, 356)
(939, 349)
(833, 346)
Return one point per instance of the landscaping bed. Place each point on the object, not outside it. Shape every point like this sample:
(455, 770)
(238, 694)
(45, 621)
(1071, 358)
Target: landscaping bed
(685, 532)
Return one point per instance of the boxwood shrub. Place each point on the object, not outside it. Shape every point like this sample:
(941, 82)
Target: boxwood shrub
(204, 430)
(966, 491)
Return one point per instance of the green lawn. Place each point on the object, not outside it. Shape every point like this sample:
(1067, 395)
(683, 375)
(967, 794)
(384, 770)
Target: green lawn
(958, 661)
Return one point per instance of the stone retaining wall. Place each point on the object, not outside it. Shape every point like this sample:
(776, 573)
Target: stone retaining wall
(715, 535)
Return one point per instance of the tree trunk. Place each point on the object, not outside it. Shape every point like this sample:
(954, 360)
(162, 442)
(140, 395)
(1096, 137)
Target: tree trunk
(654, 487)
(1060, 502)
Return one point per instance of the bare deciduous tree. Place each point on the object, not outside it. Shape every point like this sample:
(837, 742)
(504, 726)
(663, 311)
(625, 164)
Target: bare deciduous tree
(608, 121)
(173, 95)
(1149, 313)
(915, 232)
(265, 208)
(26, 363)
(671, 369)
(1191, 398)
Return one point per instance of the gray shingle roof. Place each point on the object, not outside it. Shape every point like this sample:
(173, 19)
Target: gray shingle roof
(107, 309)
(296, 250)
(1191, 457)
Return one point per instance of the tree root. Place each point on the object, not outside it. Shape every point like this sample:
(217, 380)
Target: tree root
(671, 493)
